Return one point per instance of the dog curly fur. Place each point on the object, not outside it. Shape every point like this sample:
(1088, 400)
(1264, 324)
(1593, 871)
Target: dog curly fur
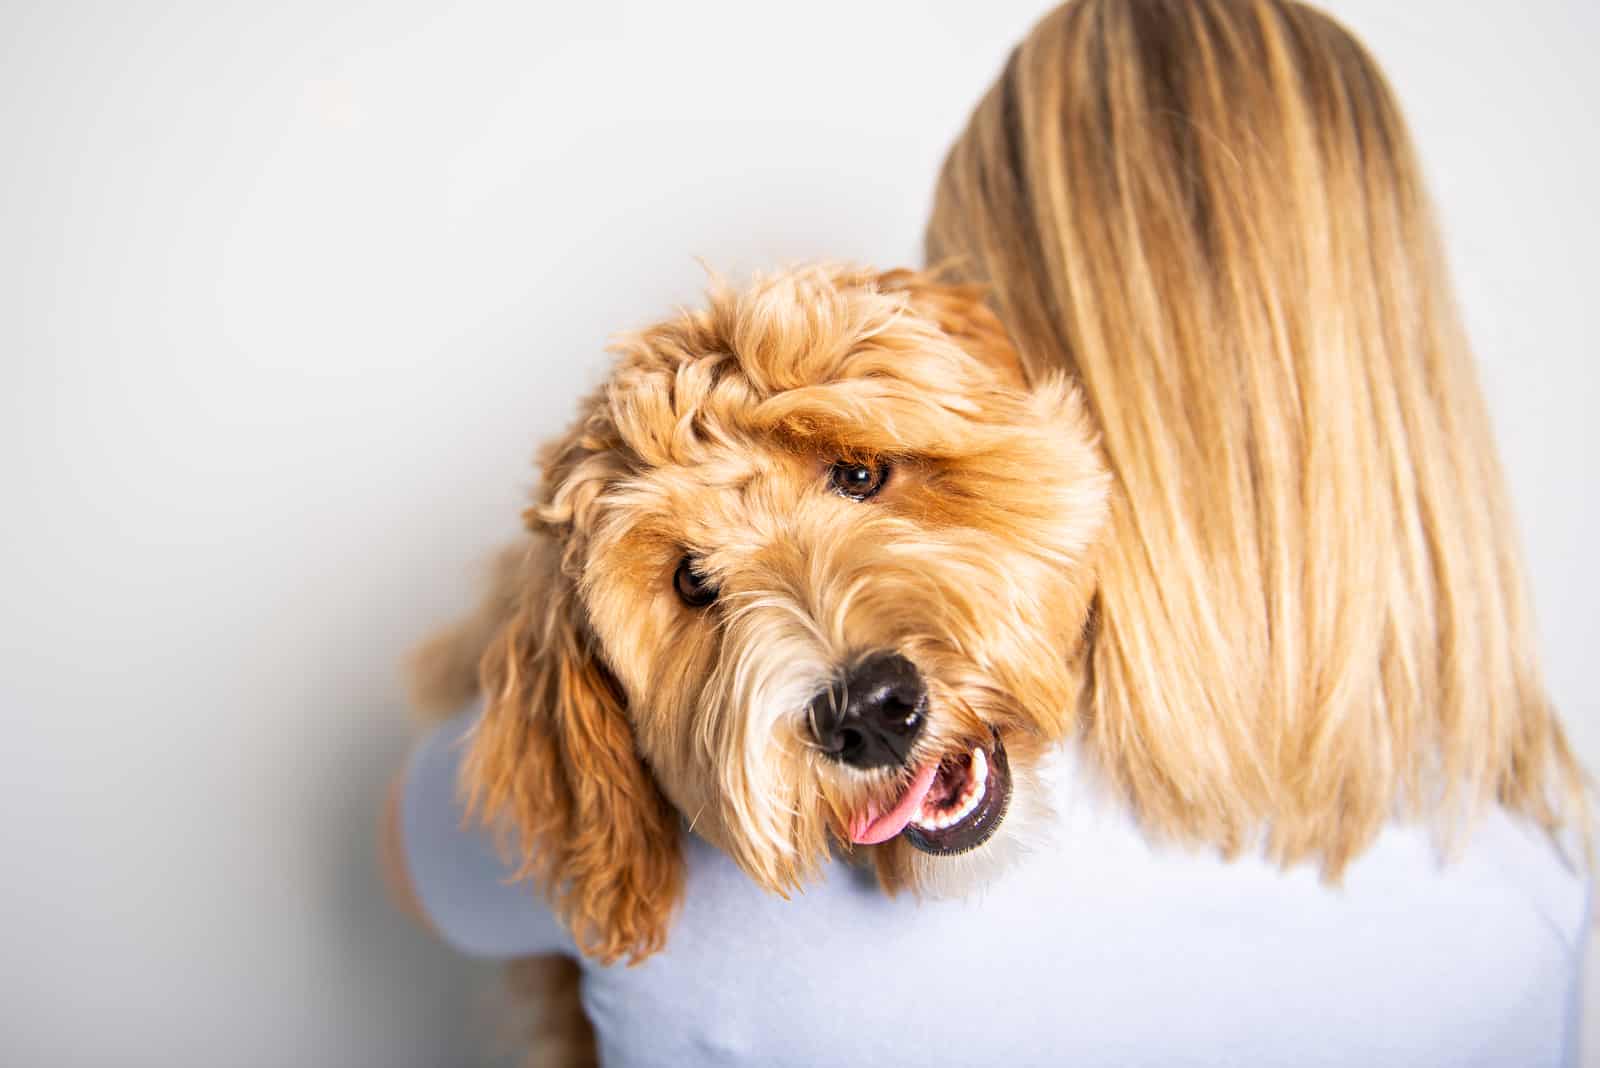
(613, 710)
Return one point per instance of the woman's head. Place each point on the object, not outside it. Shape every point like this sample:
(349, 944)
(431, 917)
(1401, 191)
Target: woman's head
(1311, 613)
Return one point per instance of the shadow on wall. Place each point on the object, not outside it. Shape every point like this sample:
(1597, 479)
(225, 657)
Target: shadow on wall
(388, 960)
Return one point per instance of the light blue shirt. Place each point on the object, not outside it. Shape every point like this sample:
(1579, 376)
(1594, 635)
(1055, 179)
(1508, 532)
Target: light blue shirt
(1098, 949)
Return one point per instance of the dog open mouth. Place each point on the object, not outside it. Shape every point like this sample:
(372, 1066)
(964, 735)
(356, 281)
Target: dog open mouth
(951, 806)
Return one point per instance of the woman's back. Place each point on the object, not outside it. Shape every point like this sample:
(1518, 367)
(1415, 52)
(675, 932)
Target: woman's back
(1097, 949)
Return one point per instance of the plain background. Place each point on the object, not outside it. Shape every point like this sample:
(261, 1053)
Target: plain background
(289, 293)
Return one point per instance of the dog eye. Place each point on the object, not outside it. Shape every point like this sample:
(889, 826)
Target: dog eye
(693, 590)
(858, 481)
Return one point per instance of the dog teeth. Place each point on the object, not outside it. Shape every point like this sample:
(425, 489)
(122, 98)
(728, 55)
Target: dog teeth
(971, 795)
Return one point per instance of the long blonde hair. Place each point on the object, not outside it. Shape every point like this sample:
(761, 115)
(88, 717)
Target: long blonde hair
(1311, 614)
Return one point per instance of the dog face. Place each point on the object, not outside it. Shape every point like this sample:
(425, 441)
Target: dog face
(812, 569)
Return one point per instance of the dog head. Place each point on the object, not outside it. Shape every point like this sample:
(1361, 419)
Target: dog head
(812, 569)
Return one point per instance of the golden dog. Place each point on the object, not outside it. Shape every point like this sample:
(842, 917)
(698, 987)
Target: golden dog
(812, 569)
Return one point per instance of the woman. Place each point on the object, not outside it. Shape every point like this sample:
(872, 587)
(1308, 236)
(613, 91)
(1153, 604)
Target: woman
(1311, 641)
(1312, 615)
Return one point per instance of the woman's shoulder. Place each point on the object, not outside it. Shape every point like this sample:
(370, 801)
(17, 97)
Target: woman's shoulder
(457, 876)
(1096, 945)
(1100, 940)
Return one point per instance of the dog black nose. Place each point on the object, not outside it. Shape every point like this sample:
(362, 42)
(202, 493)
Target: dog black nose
(870, 717)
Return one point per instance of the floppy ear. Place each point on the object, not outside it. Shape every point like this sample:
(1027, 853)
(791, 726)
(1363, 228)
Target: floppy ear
(552, 766)
(960, 311)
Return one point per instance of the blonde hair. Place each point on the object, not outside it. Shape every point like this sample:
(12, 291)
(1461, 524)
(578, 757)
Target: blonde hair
(1311, 614)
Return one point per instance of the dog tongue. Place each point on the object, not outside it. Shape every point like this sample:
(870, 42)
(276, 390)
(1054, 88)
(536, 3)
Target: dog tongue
(872, 826)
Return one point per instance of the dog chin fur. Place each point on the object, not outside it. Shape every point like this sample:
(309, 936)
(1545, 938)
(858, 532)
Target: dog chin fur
(1029, 828)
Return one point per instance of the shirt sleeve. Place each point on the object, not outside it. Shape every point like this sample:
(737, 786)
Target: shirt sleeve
(460, 880)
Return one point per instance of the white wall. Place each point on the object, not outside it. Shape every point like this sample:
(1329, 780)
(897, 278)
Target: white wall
(288, 292)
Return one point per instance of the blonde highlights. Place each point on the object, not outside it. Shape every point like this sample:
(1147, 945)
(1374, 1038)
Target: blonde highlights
(1311, 614)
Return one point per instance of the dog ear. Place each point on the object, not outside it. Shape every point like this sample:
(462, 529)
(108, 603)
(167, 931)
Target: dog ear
(960, 311)
(552, 766)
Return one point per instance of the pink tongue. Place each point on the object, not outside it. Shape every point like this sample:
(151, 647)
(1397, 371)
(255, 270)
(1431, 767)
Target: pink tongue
(871, 827)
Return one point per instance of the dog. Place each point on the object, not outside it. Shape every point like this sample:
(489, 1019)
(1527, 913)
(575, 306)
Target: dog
(812, 573)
